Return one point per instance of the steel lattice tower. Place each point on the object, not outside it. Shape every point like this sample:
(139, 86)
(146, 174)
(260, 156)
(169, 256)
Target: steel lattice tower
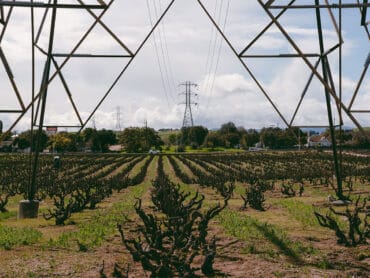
(274, 10)
(118, 118)
(188, 116)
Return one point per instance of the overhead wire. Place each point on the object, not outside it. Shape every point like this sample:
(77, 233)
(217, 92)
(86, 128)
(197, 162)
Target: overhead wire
(213, 30)
(217, 61)
(157, 55)
(163, 50)
(214, 39)
(219, 52)
(167, 56)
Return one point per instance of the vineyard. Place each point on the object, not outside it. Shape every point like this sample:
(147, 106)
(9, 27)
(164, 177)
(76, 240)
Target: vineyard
(270, 214)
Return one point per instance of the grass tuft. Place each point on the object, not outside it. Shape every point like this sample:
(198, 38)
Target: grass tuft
(102, 225)
(299, 211)
(262, 234)
(11, 237)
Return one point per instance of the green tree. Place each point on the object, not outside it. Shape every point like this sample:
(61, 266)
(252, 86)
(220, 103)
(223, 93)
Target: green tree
(252, 137)
(98, 140)
(60, 142)
(66, 142)
(230, 135)
(228, 128)
(88, 134)
(172, 138)
(213, 140)
(194, 135)
(140, 139)
(269, 136)
(24, 139)
(198, 134)
(151, 139)
(230, 140)
(361, 140)
(277, 138)
(105, 138)
(300, 137)
(131, 139)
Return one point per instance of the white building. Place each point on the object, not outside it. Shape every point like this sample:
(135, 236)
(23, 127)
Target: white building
(318, 141)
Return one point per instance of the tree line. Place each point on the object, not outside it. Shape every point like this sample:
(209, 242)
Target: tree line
(230, 136)
(143, 139)
(134, 140)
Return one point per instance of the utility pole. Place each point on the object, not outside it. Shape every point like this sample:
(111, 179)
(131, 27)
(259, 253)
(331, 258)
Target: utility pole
(146, 132)
(188, 116)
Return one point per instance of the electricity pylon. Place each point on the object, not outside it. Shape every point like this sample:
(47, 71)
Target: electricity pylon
(118, 118)
(188, 116)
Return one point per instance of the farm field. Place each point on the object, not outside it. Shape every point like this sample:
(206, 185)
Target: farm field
(88, 203)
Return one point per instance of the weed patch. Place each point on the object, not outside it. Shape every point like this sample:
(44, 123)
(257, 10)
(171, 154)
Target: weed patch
(253, 231)
(11, 237)
(102, 225)
(300, 212)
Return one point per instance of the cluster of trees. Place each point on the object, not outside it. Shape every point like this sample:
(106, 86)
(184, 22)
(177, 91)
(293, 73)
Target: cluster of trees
(95, 140)
(277, 138)
(142, 139)
(230, 136)
(134, 139)
(352, 139)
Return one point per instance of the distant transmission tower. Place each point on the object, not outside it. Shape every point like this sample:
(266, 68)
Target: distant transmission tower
(118, 118)
(93, 121)
(188, 116)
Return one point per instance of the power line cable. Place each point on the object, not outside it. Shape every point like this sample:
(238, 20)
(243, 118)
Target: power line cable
(209, 50)
(164, 51)
(157, 55)
(214, 44)
(218, 40)
(167, 53)
(219, 54)
(215, 69)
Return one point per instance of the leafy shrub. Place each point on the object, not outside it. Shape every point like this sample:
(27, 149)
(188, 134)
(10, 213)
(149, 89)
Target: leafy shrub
(254, 197)
(168, 245)
(287, 189)
(254, 194)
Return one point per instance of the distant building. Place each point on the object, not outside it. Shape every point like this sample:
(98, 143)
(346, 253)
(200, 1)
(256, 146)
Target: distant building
(318, 141)
(115, 148)
(257, 147)
(51, 130)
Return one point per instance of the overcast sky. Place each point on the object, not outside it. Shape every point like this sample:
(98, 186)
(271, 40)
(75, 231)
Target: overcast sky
(186, 47)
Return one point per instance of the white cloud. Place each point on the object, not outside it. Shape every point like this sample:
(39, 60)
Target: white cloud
(140, 93)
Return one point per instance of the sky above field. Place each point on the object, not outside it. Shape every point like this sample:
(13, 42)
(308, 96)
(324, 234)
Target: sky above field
(186, 47)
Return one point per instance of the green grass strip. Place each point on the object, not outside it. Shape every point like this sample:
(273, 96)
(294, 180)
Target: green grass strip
(11, 237)
(299, 211)
(254, 231)
(102, 225)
